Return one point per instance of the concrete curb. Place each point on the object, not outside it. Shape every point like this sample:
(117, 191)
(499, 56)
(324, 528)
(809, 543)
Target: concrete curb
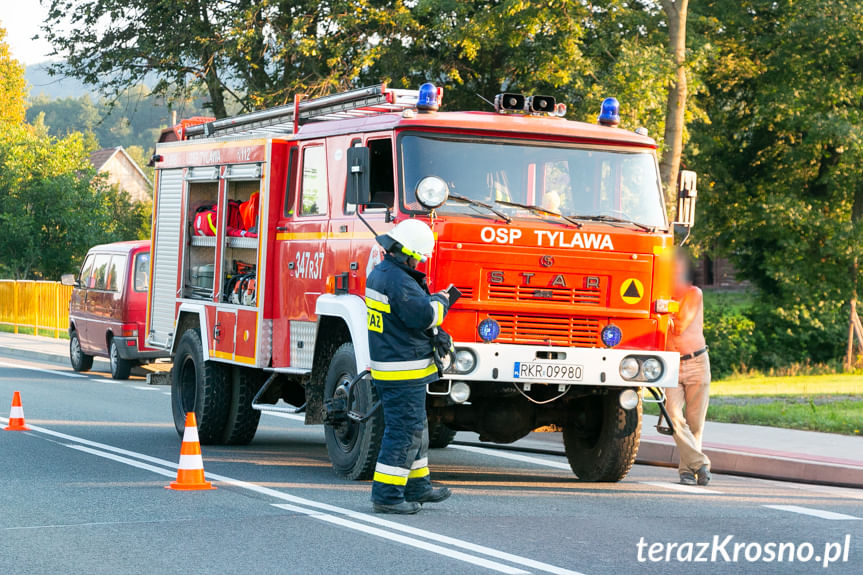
(763, 465)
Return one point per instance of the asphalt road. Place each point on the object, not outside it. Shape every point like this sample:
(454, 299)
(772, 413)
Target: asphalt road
(83, 493)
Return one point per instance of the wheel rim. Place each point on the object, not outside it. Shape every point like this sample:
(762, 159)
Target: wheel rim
(114, 356)
(188, 385)
(76, 349)
(346, 434)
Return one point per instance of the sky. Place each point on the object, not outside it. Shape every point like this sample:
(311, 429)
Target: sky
(22, 19)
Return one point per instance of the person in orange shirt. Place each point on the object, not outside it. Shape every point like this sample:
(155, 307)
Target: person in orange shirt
(687, 403)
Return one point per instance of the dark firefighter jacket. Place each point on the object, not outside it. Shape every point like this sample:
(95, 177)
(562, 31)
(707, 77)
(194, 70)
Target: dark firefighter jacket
(401, 313)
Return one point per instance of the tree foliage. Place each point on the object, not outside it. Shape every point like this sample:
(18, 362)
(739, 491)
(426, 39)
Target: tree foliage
(13, 87)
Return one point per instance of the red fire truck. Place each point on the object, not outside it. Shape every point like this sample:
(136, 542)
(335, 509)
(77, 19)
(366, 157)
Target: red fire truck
(554, 232)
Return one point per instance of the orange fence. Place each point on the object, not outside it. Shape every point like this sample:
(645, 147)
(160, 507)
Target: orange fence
(35, 305)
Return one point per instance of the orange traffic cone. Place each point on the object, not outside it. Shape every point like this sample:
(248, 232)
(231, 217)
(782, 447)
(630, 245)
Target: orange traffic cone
(190, 473)
(16, 415)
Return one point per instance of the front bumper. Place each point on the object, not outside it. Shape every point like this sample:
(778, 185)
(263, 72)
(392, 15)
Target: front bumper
(600, 367)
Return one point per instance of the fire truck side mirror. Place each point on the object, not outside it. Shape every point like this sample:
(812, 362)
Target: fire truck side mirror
(687, 193)
(358, 189)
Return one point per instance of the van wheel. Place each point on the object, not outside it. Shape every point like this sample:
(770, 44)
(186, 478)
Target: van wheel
(120, 368)
(601, 439)
(242, 420)
(80, 360)
(199, 386)
(440, 435)
(353, 447)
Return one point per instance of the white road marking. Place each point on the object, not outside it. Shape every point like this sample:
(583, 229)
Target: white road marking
(294, 416)
(444, 539)
(814, 512)
(368, 529)
(166, 393)
(683, 488)
(125, 460)
(51, 371)
(513, 456)
(144, 388)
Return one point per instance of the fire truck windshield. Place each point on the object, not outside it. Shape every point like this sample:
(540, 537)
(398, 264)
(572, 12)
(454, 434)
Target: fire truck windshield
(575, 181)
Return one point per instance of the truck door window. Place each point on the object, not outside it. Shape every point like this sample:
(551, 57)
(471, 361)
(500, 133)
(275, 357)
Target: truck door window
(381, 176)
(84, 276)
(100, 271)
(291, 183)
(313, 199)
(141, 277)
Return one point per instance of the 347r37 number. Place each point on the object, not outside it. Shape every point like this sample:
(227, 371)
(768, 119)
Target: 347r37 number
(309, 265)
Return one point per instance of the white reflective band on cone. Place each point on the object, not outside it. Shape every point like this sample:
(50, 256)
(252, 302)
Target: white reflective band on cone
(191, 462)
(16, 412)
(190, 435)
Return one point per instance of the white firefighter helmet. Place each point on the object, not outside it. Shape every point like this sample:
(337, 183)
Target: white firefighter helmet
(415, 237)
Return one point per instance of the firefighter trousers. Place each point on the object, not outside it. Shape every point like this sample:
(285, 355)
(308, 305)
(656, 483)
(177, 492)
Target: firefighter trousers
(402, 471)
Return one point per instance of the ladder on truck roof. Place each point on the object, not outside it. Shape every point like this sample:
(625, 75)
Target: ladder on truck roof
(360, 102)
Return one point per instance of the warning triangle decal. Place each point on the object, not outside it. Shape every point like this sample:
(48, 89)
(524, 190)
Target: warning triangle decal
(632, 290)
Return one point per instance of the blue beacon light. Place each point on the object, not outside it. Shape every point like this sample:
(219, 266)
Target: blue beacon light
(609, 113)
(611, 335)
(488, 330)
(427, 101)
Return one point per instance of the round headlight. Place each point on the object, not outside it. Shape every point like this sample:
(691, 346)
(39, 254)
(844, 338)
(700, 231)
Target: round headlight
(629, 368)
(628, 399)
(459, 392)
(488, 329)
(432, 192)
(611, 335)
(464, 361)
(651, 369)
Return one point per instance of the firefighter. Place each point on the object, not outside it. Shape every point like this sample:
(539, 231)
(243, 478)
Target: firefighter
(403, 318)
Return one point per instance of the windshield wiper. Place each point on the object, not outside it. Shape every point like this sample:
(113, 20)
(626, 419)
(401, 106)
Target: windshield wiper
(489, 207)
(615, 219)
(540, 210)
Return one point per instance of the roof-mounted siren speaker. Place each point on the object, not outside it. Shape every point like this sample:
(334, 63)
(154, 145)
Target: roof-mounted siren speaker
(508, 102)
(541, 104)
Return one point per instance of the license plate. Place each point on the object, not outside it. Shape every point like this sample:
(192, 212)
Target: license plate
(550, 371)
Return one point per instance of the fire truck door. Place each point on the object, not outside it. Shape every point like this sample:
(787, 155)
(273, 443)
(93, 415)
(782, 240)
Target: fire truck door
(306, 236)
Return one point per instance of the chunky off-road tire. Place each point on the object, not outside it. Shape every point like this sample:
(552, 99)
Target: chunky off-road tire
(353, 447)
(199, 386)
(602, 438)
(80, 360)
(242, 422)
(120, 368)
(440, 435)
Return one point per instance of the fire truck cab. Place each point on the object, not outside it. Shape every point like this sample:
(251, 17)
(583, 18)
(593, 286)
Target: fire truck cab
(554, 232)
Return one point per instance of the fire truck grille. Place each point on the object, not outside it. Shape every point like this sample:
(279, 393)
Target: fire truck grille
(466, 292)
(500, 292)
(532, 329)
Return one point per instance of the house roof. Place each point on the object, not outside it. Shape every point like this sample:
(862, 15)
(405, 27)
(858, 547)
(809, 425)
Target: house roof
(101, 157)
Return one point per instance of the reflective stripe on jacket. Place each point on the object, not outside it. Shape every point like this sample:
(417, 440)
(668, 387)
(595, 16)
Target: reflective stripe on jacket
(400, 314)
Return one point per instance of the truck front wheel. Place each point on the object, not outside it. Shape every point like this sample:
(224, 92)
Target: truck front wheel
(601, 438)
(199, 386)
(242, 420)
(353, 447)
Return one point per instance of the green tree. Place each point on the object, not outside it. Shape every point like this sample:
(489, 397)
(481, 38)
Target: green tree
(13, 87)
(53, 206)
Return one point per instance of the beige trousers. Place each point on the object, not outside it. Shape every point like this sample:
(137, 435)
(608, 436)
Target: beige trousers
(687, 405)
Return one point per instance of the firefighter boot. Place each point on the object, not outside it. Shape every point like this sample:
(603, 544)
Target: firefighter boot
(435, 495)
(403, 508)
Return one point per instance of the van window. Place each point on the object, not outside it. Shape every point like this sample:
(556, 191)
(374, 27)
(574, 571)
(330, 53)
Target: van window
(100, 271)
(114, 278)
(85, 271)
(314, 192)
(141, 277)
